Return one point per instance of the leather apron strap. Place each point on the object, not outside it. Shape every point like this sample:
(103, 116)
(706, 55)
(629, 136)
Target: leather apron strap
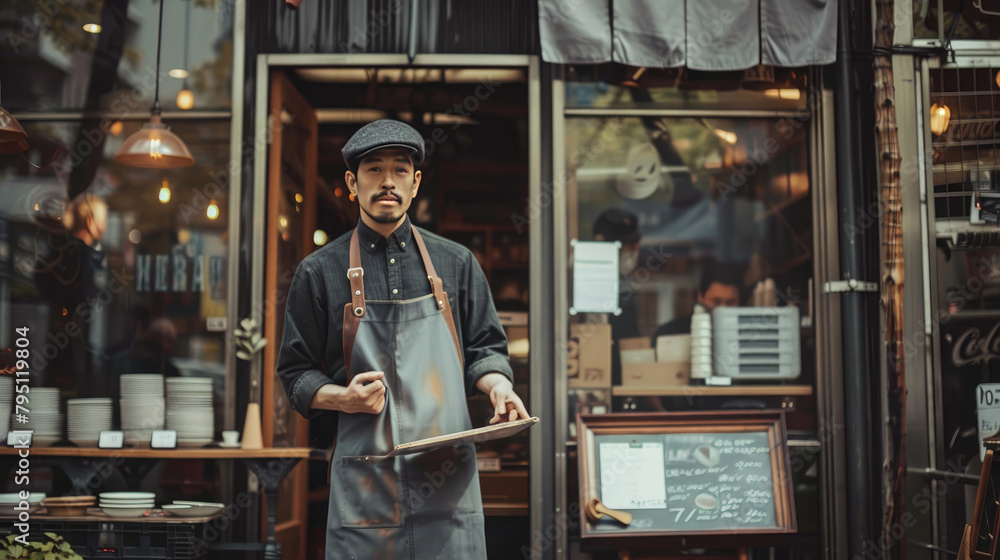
(355, 310)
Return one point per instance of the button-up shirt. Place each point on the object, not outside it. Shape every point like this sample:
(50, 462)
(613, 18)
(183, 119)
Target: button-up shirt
(312, 352)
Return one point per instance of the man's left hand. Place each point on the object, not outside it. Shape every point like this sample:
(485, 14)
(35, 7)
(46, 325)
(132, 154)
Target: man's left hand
(507, 405)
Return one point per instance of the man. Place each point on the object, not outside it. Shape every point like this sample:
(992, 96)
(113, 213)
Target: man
(719, 287)
(373, 333)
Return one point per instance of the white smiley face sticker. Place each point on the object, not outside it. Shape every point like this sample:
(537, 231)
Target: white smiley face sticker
(642, 175)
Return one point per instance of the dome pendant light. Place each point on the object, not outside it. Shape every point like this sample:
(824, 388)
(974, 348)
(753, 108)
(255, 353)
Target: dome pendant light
(13, 139)
(154, 146)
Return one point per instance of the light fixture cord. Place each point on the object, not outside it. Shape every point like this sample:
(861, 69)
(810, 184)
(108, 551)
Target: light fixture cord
(159, 32)
(187, 27)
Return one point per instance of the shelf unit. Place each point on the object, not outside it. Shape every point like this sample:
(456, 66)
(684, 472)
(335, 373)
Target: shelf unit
(715, 391)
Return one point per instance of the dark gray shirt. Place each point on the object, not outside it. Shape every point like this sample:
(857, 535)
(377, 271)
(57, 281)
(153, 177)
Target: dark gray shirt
(312, 353)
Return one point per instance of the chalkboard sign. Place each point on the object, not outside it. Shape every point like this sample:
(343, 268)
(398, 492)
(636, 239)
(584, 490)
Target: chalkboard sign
(686, 479)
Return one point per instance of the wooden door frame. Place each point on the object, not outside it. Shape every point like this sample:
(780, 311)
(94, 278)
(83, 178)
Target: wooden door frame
(284, 94)
(543, 465)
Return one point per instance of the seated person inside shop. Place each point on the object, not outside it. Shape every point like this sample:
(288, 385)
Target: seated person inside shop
(719, 286)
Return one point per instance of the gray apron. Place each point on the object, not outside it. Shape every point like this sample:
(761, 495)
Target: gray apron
(422, 506)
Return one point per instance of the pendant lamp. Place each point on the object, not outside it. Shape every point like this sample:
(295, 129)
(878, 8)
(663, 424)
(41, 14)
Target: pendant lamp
(154, 146)
(13, 140)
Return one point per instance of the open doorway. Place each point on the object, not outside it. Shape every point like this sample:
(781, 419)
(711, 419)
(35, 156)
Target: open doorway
(475, 121)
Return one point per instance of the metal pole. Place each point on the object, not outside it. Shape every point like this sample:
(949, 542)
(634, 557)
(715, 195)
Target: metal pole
(855, 192)
(414, 14)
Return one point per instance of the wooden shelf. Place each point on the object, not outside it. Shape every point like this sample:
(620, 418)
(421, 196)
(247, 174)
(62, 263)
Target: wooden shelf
(501, 509)
(98, 515)
(715, 391)
(202, 453)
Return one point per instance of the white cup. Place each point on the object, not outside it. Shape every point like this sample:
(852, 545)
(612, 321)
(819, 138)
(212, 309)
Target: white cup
(230, 437)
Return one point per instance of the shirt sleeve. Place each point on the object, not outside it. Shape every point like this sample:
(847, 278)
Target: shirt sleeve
(303, 343)
(483, 339)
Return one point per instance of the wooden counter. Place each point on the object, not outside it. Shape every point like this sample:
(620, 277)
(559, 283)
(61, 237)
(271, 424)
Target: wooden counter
(180, 453)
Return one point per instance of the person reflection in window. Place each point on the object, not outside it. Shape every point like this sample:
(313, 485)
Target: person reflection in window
(618, 224)
(72, 276)
(719, 287)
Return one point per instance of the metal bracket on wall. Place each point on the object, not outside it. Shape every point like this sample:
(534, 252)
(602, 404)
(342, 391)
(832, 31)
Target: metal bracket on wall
(841, 286)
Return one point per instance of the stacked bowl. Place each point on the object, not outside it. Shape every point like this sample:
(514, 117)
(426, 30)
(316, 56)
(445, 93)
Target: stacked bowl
(9, 503)
(6, 403)
(43, 416)
(127, 504)
(142, 407)
(189, 410)
(86, 419)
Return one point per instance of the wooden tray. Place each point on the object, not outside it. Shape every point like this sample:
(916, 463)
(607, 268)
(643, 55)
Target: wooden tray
(476, 435)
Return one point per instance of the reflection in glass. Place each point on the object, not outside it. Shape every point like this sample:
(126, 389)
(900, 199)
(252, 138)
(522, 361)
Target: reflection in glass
(111, 281)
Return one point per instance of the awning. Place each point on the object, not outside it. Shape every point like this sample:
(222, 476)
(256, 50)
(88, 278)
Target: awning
(699, 34)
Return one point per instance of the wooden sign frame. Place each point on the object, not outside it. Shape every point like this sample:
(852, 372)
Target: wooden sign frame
(769, 422)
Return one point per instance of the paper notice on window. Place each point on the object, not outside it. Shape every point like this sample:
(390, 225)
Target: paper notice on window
(595, 277)
(988, 413)
(632, 475)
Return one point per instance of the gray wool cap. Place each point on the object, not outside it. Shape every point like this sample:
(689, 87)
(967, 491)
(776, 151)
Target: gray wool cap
(383, 133)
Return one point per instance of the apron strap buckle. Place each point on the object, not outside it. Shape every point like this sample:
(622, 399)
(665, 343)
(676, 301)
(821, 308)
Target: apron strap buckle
(355, 275)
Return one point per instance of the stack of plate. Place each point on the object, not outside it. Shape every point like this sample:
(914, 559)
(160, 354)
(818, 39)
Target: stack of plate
(142, 406)
(86, 419)
(8, 503)
(68, 506)
(43, 416)
(127, 504)
(6, 404)
(189, 410)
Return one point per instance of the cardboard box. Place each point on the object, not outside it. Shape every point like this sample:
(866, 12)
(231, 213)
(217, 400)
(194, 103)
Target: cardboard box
(673, 348)
(638, 343)
(593, 348)
(656, 374)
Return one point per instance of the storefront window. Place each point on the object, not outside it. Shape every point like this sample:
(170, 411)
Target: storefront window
(966, 269)
(977, 20)
(720, 200)
(707, 207)
(126, 277)
(92, 55)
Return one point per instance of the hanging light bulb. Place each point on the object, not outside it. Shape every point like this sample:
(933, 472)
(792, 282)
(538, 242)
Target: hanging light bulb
(154, 146)
(940, 117)
(13, 140)
(185, 98)
(165, 192)
(320, 238)
(213, 210)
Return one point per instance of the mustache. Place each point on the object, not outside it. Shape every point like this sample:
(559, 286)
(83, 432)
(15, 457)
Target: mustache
(385, 195)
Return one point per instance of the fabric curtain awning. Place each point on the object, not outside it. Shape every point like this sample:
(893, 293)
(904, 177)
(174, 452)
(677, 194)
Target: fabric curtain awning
(699, 34)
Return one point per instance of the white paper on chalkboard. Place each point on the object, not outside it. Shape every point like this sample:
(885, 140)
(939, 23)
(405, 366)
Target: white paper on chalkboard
(988, 412)
(595, 277)
(632, 475)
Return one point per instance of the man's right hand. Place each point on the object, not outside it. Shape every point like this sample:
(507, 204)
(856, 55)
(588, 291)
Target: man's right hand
(365, 393)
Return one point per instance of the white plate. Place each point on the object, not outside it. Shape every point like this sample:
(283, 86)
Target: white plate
(187, 510)
(125, 512)
(127, 495)
(228, 445)
(146, 504)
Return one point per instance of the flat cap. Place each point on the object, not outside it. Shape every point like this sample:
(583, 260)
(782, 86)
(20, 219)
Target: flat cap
(383, 133)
